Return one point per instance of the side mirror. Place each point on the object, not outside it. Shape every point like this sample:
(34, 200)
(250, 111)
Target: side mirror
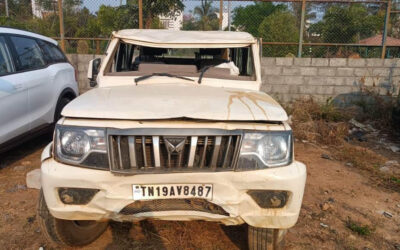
(93, 71)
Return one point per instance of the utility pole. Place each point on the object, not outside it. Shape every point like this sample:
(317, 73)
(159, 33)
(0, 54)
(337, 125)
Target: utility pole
(61, 17)
(303, 16)
(229, 15)
(221, 13)
(7, 14)
(140, 14)
(385, 28)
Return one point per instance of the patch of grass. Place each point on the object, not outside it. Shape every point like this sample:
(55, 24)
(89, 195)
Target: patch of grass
(320, 123)
(395, 180)
(356, 227)
(326, 124)
(359, 157)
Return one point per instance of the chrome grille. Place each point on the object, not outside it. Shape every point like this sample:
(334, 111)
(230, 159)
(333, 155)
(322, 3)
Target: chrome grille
(143, 150)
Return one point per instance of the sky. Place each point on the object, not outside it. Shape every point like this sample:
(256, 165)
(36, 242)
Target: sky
(93, 5)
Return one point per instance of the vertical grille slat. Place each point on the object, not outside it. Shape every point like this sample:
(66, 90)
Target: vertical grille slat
(227, 152)
(144, 151)
(121, 165)
(156, 150)
(214, 157)
(147, 152)
(203, 157)
(193, 146)
(132, 151)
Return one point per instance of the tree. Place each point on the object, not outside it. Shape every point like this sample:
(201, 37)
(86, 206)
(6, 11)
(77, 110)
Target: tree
(207, 16)
(343, 24)
(152, 9)
(280, 26)
(249, 18)
(115, 18)
(51, 5)
(189, 23)
(20, 8)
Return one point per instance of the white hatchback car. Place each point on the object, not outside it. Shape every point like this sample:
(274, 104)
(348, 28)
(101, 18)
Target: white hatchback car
(36, 82)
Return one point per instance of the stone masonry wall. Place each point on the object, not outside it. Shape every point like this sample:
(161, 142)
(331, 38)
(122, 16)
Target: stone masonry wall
(288, 79)
(81, 64)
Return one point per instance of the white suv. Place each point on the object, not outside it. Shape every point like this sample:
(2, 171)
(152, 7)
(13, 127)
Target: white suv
(36, 82)
(176, 129)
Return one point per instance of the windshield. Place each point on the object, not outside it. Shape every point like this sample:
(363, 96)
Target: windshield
(223, 63)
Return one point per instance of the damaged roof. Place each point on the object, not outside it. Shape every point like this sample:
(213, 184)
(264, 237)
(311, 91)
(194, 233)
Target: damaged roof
(180, 38)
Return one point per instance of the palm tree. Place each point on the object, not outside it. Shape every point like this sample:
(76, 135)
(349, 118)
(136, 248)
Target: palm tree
(207, 14)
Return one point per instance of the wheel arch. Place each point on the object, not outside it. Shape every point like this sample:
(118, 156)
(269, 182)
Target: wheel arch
(66, 93)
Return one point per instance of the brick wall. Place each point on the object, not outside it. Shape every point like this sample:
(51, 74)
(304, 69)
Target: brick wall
(288, 79)
(291, 78)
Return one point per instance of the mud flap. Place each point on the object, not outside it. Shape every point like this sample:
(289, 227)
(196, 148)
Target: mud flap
(33, 179)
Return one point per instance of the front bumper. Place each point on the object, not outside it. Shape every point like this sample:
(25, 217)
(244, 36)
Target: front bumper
(230, 193)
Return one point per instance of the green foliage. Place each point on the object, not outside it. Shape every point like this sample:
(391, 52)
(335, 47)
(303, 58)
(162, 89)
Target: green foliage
(22, 8)
(348, 24)
(79, 22)
(280, 26)
(363, 230)
(395, 180)
(68, 5)
(116, 18)
(189, 23)
(204, 17)
(154, 8)
(331, 113)
(249, 18)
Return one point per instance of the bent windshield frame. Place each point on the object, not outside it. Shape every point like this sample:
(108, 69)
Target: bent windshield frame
(235, 63)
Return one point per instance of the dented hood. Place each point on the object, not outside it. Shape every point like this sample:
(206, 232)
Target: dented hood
(168, 101)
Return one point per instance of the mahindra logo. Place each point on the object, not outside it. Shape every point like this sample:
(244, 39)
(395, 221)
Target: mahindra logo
(175, 145)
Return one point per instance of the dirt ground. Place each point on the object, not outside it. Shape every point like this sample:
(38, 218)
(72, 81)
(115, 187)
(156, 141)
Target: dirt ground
(335, 194)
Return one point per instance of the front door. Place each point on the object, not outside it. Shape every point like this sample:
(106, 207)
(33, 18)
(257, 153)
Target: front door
(14, 117)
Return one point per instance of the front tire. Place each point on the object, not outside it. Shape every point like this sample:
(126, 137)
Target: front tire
(266, 238)
(67, 232)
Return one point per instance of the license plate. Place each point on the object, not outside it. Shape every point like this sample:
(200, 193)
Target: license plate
(172, 191)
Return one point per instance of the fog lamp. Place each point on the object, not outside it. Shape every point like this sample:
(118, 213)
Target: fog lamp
(76, 196)
(269, 198)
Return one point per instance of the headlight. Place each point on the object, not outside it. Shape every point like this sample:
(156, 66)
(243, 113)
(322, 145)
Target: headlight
(262, 150)
(81, 146)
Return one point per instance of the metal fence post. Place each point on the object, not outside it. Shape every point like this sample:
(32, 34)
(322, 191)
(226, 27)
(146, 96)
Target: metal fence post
(384, 35)
(140, 14)
(229, 15)
(61, 19)
(303, 16)
(7, 13)
(221, 13)
(98, 47)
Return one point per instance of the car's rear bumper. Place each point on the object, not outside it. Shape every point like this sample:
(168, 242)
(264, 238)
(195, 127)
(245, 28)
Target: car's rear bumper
(230, 193)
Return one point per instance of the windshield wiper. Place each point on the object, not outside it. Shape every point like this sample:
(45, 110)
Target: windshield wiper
(204, 71)
(160, 74)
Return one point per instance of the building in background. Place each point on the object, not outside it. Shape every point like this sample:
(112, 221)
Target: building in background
(172, 23)
(225, 16)
(37, 10)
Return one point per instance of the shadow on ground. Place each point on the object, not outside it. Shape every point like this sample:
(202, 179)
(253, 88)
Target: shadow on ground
(25, 149)
(153, 234)
(123, 239)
